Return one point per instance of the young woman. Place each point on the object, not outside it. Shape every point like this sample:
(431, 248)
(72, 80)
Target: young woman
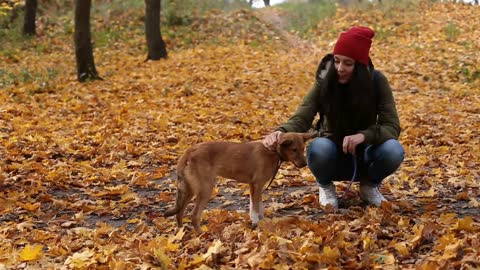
(358, 120)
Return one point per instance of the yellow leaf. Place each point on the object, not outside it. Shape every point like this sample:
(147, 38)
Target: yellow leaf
(215, 248)
(429, 265)
(367, 243)
(30, 253)
(178, 236)
(182, 265)
(444, 241)
(30, 206)
(465, 224)
(79, 216)
(417, 236)
(330, 255)
(402, 248)
(473, 203)
(451, 250)
(163, 259)
(133, 220)
(81, 259)
(214, 192)
(111, 191)
(282, 241)
(109, 250)
(430, 193)
(58, 251)
(162, 123)
(172, 246)
(204, 267)
(131, 196)
(447, 218)
(116, 190)
(196, 260)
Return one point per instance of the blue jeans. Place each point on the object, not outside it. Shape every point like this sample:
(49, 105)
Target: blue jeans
(328, 162)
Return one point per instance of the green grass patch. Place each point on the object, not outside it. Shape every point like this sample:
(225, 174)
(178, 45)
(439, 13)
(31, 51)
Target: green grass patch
(383, 33)
(451, 31)
(387, 6)
(43, 78)
(112, 21)
(200, 7)
(181, 12)
(11, 29)
(470, 75)
(107, 36)
(303, 17)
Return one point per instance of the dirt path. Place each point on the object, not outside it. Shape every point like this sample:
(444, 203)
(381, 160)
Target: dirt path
(273, 19)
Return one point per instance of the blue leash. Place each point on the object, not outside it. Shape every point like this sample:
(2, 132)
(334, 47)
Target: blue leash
(355, 166)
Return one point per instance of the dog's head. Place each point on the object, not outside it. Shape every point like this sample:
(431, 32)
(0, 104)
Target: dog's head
(291, 145)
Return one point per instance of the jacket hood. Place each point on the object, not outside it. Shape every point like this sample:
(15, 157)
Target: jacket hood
(327, 62)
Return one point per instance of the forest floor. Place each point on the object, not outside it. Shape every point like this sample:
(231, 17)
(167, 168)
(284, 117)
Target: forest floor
(88, 169)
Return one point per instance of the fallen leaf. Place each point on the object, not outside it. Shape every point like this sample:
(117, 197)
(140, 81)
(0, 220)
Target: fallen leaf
(30, 253)
(466, 224)
(215, 248)
(30, 206)
(81, 259)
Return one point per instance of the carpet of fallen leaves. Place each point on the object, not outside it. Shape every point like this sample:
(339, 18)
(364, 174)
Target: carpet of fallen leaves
(88, 169)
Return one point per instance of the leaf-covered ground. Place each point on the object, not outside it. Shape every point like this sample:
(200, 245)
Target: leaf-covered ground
(88, 169)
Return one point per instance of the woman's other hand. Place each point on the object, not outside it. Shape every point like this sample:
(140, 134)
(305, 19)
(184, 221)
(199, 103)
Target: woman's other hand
(351, 142)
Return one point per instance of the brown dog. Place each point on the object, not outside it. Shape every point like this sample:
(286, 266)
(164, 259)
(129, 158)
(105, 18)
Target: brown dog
(249, 162)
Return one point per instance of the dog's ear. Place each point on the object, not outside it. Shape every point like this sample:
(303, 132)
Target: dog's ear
(285, 142)
(308, 136)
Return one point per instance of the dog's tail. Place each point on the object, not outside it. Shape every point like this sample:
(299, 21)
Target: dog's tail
(179, 201)
(174, 210)
(181, 188)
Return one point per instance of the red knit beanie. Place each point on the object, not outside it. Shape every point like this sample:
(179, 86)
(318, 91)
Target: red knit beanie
(355, 43)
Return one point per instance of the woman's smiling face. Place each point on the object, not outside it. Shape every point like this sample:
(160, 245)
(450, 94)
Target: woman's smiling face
(344, 66)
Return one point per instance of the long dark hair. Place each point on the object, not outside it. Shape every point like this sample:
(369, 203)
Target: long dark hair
(354, 100)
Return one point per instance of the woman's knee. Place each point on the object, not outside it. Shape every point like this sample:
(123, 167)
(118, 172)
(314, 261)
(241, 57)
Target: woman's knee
(386, 159)
(392, 152)
(321, 150)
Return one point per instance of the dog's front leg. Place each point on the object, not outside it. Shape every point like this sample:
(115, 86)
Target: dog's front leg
(256, 205)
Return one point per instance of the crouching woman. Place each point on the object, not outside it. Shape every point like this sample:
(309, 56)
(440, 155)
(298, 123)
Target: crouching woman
(358, 121)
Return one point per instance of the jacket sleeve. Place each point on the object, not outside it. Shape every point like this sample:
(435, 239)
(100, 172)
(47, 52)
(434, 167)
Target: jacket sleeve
(387, 125)
(301, 120)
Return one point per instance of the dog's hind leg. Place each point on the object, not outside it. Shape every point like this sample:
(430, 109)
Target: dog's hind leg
(201, 201)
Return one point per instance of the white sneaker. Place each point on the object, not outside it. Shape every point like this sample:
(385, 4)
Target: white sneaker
(327, 195)
(371, 194)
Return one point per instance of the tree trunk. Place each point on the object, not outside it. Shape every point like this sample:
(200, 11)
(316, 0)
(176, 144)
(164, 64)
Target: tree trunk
(83, 45)
(29, 18)
(155, 43)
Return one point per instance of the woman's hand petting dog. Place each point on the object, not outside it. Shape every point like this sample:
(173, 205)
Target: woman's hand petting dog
(349, 142)
(271, 140)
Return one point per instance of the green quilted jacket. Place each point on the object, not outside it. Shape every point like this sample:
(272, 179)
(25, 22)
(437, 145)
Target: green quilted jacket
(386, 126)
